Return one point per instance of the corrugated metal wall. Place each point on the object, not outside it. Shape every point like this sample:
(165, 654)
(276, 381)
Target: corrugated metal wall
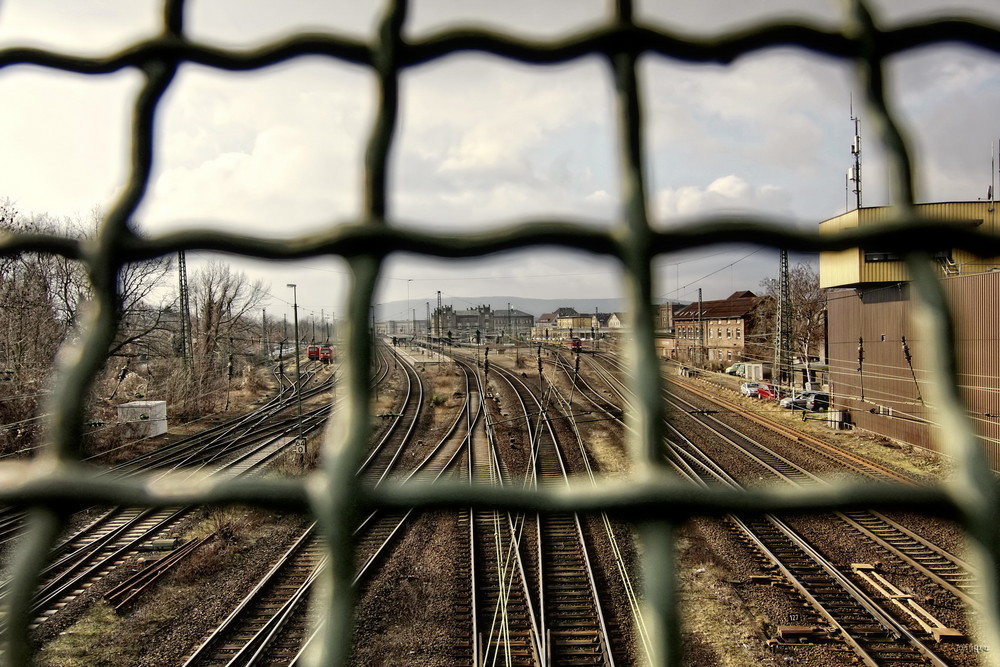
(887, 395)
(849, 267)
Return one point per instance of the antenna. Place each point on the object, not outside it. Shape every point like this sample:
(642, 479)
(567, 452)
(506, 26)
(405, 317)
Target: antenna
(854, 173)
(989, 193)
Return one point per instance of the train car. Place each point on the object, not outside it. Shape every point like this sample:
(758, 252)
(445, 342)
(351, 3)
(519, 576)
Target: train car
(312, 352)
(326, 354)
(575, 344)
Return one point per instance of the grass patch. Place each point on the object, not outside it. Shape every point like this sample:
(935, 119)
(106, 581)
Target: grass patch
(166, 620)
(94, 641)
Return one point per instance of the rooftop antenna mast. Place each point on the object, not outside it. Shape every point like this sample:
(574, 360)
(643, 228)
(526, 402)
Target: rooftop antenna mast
(854, 173)
(993, 173)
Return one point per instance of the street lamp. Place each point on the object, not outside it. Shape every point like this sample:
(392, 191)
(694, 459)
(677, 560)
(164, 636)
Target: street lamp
(298, 369)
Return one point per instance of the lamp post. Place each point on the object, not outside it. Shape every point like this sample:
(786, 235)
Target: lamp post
(298, 370)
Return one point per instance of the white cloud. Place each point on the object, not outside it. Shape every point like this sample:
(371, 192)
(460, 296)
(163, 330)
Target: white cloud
(280, 151)
(728, 194)
(480, 141)
(64, 139)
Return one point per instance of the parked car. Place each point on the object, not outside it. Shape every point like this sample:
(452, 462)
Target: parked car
(818, 401)
(769, 391)
(736, 369)
(799, 402)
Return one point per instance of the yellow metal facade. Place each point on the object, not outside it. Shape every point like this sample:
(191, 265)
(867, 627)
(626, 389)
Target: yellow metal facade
(858, 266)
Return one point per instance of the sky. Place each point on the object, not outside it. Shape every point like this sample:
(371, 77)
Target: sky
(481, 142)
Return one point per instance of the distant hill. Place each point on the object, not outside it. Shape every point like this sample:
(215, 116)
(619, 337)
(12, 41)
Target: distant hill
(535, 307)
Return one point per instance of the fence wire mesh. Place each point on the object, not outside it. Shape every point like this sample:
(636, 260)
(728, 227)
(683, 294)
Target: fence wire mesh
(54, 483)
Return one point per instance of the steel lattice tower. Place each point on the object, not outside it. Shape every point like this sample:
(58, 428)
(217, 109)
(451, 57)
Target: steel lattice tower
(187, 343)
(437, 319)
(783, 324)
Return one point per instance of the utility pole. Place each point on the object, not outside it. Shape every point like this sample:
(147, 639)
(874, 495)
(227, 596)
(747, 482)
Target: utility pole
(597, 323)
(783, 325)
(701, 334)
(263, 334)
(298, 370)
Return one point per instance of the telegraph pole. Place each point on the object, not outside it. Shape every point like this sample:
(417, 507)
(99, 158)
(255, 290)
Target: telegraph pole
(263, 334)
(298, 370)
(701, 333)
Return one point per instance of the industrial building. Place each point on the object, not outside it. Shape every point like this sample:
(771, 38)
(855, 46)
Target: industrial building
(879, 373)
(491, 324)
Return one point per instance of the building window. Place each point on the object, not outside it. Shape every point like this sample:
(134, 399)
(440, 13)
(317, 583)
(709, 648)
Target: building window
(729, 332)
(737, 332)
(876, 256)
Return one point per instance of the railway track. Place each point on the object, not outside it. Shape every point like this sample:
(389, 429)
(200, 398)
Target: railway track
(571, 625)
(840, 609)
(878, 627)
(281, 633)
(947, 570)
(251, 629)
(240, 447)
(534, 594)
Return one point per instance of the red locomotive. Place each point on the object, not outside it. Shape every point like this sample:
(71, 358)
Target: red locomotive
(312, 352)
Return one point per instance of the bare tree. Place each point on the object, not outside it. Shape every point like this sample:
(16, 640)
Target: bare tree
(40, 299)
(808, 309)
(32, 327)
(140, 319)
(226, 305)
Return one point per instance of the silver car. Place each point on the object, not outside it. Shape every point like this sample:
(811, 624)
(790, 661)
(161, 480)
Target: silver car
(799, 402)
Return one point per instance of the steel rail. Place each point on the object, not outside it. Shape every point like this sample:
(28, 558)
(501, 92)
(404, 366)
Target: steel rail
(692, 461)
(951, 573)
(567, 563)
(807, 591)
(376, 533)
(629, 586)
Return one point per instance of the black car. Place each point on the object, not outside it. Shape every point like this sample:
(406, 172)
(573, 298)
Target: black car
(818, 401)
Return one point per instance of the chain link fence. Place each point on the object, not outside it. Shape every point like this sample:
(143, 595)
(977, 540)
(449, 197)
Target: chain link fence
(55, 483)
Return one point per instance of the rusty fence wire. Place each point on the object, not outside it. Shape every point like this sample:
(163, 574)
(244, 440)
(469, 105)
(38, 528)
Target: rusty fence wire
(56, 482)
